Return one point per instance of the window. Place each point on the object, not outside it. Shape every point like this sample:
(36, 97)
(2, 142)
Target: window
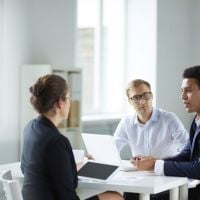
(100, 53)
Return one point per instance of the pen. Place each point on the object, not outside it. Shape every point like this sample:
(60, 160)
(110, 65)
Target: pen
(136, 158)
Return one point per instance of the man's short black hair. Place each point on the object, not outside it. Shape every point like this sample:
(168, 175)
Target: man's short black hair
(193, 72)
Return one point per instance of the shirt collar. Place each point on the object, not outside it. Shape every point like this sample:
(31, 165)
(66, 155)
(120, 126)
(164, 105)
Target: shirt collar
(197, 121)
(154, 116)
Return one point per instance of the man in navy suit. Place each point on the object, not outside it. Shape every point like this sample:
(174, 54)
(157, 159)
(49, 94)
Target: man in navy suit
(187, 163)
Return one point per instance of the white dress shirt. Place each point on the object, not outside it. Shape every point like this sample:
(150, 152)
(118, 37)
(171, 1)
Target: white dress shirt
(159, 164)
(161, 137)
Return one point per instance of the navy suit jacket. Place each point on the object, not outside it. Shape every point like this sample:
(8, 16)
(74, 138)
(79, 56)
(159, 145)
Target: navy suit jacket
(187, 163)
(47, 163)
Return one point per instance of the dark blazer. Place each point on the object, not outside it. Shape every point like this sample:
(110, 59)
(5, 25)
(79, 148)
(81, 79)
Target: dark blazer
(47, 163)
(187, 163)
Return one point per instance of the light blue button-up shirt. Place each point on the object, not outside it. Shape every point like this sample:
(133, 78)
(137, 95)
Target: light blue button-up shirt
(161, 137)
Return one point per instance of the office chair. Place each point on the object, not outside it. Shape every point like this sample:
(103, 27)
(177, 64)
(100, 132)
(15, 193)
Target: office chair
(11, 187)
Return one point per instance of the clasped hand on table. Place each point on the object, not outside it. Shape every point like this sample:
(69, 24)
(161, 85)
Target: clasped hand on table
(143, 163)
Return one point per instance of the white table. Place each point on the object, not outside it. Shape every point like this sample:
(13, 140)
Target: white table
(144, 183)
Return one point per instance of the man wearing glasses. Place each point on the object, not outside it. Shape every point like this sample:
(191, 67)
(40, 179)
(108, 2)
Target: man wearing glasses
(149, 131)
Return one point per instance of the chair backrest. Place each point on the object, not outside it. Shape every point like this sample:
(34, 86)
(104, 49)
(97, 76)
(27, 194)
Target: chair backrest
(11, 187)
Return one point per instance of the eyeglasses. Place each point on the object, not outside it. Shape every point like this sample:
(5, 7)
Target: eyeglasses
(137, 98)
(69, 98)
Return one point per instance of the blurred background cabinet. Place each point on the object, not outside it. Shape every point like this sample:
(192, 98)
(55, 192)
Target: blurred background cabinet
(71, 128)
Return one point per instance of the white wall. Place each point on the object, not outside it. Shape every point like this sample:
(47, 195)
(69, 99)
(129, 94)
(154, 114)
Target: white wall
(1, 52)
(52, 26)
(163, 39)
(31, 32)
(195, 32)
(13, 45)
(174, 52)
(141, 40)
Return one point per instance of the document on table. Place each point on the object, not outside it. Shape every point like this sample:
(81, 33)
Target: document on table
(124, 179)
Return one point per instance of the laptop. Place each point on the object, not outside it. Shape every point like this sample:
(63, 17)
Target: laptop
(94, 171)
(104, 150)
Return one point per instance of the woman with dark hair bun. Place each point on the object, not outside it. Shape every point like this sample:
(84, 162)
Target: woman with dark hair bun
(47, 160)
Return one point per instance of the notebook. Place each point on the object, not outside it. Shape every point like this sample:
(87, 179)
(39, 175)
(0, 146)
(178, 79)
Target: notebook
(103, 149)
(94, 171)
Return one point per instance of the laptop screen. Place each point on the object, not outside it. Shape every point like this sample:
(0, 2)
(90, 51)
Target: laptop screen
(102, 148)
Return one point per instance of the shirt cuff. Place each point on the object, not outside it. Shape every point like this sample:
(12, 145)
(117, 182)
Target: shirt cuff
(159, 167)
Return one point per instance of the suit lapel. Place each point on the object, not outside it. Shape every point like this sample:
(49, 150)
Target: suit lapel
(195, 134)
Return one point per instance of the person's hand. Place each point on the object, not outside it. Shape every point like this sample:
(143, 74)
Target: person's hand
(79, 165)
(143, 163)
(133, 159)
(138, 157)
(89, 157)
